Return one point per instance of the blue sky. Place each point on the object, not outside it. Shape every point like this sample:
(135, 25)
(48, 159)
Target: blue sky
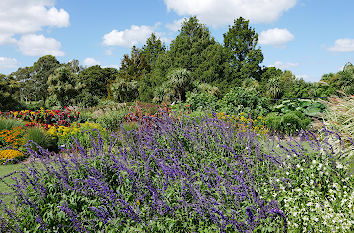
(308, 37)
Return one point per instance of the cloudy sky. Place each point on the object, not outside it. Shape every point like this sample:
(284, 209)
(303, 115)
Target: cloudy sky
(308, 37)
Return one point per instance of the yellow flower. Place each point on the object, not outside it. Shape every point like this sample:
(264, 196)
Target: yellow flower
(9, 154)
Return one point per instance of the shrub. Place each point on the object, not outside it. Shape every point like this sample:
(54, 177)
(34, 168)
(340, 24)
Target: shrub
(201, 101)
(290, 123)
(239, 100)
(86, 99)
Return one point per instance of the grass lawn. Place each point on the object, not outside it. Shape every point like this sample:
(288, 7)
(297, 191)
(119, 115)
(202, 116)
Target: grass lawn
(5, 170)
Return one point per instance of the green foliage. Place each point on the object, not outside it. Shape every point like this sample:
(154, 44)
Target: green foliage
(41, 138)
(33, 105)
(87, 99)
(186, 50)
(112, 120)
(8, 88)
(62, 86)
(95, 80)
(308, 107)
(125, 91)
(42, 69)
(289, 123)
(152, 49)
(249, 101)
(244, 57)
(8, 124)
(201, 101)
(134, 67)
(341, 83)
(86, 115)
(179, 81)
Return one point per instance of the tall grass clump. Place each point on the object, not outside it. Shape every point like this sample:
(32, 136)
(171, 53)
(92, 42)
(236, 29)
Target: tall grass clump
(183, 175)
(40, 137)
(8, 124)
(340, 118)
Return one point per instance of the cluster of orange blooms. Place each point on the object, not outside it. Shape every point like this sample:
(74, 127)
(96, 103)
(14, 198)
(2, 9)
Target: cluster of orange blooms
(8, 154)
(12, 137)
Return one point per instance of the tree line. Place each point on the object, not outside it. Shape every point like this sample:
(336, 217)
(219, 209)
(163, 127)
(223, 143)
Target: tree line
(194, 64)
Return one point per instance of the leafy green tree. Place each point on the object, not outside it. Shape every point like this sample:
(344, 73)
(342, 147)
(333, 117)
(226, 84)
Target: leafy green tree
(125, 91)
(346, 79)
(180, 82)
(244, 56)
(62, 87)
(152, 49)
(75, 66)
(155, 78)
(96, 80)
(213, 65)
(42, 69)
(8, 88)
(186, 50)
(274, 89)
(134, 67)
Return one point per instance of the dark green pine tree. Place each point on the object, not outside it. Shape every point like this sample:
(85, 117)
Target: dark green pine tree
(244, 55)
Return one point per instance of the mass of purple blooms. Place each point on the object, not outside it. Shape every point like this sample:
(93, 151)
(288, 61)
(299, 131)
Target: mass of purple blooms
(172, 174)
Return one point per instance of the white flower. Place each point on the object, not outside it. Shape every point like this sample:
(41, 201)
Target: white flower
(339, 166)
(309, 204)
(298, 165)
(314, 161)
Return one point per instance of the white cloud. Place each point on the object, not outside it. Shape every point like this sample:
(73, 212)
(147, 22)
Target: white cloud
(39, 45)
(112, 66)
(7, 39)
(7, 63)
(276, 37)
(89, 61)
(284, 66)
(221, 12)
(109, 52)
(129, 37)
(30, 16)
(176, 25)
(343, 45)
